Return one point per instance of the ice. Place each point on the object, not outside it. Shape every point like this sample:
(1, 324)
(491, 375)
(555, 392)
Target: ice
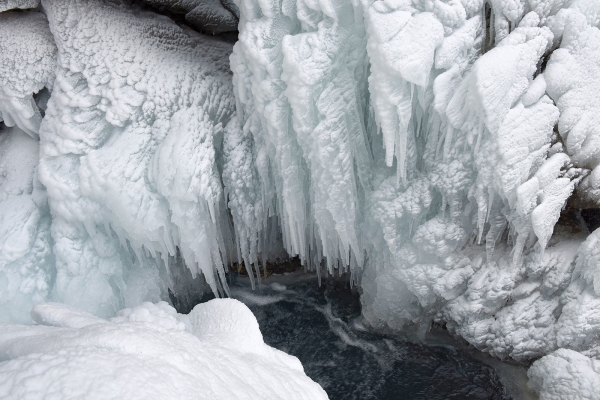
(572, 77)
(22, 4)
(579, 321)
(454, 197)
(303, 119)
(26, 259)
(214, 16)
(26, 67)
(437, 151)
(221, 356)
(128, 154)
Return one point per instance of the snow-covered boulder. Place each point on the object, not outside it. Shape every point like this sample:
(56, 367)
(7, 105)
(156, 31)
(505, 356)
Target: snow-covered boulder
(139, 356)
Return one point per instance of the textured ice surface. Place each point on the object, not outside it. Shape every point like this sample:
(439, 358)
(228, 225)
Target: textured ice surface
(222, 356)
(27, 64)
(26, 262)
(436, 172)
(428, 147)
(128, 153)
(215, 16)
(300, 82)
(573, 79)
(23, 4)
(565, 374)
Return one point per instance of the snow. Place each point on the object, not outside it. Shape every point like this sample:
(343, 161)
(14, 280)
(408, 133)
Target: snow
(573, 76)
(26, 262)
(222, 356)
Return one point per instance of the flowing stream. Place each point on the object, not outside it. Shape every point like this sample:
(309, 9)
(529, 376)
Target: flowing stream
(321, 326)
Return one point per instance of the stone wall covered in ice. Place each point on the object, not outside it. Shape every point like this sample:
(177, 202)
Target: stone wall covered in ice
(437, 150)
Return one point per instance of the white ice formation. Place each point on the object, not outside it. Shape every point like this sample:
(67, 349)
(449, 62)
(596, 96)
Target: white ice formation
(214, 16)
(18, 4)
(565, 374)
(438, 150)
(408, 142)
(26, 262)
(25, 69)
(128, 153)
(139, 355)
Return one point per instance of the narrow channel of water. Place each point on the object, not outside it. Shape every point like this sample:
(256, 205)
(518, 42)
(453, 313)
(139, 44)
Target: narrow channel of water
(321, 326)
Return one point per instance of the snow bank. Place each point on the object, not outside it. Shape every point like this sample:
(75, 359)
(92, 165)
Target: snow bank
(222, 356)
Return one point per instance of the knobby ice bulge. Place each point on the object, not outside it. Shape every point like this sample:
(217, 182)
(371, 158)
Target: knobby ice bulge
(443, 153)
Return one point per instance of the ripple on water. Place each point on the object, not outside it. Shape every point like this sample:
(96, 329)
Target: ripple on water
(319, 326)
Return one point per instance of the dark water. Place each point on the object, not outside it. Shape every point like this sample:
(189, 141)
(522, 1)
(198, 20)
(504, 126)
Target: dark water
(318, 325)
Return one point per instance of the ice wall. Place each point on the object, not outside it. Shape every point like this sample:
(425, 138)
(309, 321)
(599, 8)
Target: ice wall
(428, 147)
(27, 63)
(128, 153)
(26, 67)
(26, 262)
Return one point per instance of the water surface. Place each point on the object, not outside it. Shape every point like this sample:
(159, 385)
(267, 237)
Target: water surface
(321, 326)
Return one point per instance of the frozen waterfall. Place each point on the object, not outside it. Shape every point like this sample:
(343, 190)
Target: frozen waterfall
(438, 151)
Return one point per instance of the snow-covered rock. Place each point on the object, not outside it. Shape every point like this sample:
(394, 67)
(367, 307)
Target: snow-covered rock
(222, 356)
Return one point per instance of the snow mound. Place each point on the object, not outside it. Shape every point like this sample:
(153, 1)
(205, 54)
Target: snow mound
(565, 374)
(26, 67)
(143, 359)
(214, 16)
